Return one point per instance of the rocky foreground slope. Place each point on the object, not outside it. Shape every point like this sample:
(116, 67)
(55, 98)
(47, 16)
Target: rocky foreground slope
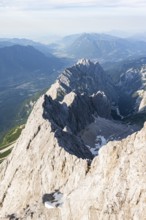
(58, 169)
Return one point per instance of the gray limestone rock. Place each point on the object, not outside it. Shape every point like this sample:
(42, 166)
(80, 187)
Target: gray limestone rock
(84, 77)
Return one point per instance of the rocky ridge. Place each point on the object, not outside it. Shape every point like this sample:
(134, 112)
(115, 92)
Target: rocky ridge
(132, 86)
(84, 77)
(51, 173)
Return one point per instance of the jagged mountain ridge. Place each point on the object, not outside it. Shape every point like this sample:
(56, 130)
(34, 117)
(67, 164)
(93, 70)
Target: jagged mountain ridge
(46, 160)
(132, 85)
(25, 60)
(7, 42)
(85, 77)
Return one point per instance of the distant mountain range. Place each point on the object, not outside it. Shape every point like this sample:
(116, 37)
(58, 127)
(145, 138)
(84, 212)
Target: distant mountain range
(25, 61)
(101, 46)
(26, 42)
(141, 36)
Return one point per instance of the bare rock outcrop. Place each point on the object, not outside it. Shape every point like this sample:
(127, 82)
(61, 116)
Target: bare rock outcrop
(132, 86)
(84, 77)
(38, 165)
(115, 185)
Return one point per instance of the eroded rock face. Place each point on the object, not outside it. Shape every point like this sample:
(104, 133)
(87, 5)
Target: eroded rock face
(132, 86)
(38, 165)
(84, 77)
(115, 185)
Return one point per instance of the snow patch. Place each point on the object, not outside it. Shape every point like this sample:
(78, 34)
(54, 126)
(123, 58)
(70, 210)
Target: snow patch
(55, 201)
(101, 92)
(99, 142)
(118, 113)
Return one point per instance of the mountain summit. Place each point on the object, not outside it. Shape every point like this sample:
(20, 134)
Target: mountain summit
(84, 77)
(71, 159)
(102, 47)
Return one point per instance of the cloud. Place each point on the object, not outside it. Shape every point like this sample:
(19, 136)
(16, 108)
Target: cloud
(45, 3)
(49, 4)
(131, 3)
(34, 18)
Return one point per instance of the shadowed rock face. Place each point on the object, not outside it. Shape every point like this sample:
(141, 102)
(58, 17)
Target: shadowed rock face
(77, 114)
(132, 87)
(61, 116)
(74, 113)
(84, 77)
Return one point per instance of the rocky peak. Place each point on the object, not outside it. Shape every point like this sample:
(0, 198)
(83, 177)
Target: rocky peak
(132, 87)
(84, 77)
(84, 61)
(69, 98)
(69, 117)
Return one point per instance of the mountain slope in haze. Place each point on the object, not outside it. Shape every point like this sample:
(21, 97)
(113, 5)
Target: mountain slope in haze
(18, 60)
(51, 173)
(24, 71)
(102, 47)
(45, 49)
(140, 36)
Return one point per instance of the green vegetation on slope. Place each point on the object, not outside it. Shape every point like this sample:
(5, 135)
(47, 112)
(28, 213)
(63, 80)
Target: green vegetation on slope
(5, 154)
(11, 137)
(6, 144)
(14, 132)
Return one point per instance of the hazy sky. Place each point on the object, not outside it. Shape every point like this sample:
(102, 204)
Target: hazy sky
(40, 19)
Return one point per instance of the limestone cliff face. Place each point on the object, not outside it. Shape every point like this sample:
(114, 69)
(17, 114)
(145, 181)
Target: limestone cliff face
(114, 188)
(51, 173)
(38, 165)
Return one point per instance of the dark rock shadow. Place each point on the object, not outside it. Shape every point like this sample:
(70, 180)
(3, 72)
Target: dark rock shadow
(75, 124)
(68, 121)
